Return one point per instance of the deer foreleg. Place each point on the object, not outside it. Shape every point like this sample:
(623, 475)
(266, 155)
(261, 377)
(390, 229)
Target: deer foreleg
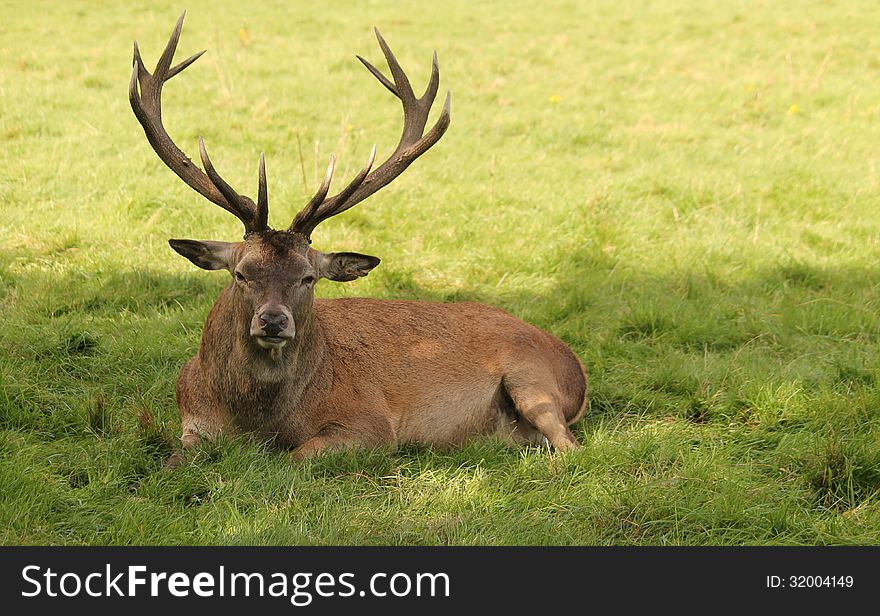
(373, 430)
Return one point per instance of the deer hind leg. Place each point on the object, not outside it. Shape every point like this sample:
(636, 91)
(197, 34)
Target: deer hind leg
(538, 405)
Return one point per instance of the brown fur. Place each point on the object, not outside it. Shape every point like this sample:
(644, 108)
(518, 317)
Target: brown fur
(313, 375)
(364, 372)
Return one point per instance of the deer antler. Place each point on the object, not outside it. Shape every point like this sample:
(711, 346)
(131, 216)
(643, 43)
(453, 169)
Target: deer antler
(147, 106)
(413, 143)
(145, 95)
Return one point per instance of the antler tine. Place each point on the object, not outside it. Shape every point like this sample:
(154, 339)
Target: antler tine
(378, 75)
(414, 142)
(404, 89)
(302, 220)
(262, 217)
(176, 69)
(316, 211)
(240, 204)
(343, 195)
(434, 82)
(167, 56)
(145, 96)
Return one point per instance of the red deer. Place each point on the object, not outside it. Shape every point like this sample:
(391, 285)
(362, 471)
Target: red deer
(311, 374)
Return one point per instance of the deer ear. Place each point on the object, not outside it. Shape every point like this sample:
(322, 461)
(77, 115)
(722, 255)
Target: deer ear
(344, 266)
(207, 255)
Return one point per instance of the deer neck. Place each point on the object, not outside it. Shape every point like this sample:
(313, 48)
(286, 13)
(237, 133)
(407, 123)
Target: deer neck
(245, 375)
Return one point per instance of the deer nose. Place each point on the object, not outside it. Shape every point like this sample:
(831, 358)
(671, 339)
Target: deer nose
(273, 323)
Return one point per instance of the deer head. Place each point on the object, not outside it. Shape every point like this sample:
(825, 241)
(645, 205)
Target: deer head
(274, 271)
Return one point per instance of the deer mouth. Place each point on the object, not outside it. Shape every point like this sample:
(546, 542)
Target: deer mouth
(272, 342)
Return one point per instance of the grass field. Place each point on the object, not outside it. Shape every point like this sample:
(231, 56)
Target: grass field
(685, 192)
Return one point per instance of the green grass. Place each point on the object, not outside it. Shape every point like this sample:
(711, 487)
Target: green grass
(685, 192)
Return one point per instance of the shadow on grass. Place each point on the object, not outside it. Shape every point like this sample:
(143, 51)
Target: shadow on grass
(782, 351)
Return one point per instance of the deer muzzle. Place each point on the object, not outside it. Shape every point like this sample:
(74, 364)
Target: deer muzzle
(272, 327)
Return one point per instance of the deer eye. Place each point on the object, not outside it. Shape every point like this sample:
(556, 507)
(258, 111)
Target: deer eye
(308, 281)
(239, 277)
